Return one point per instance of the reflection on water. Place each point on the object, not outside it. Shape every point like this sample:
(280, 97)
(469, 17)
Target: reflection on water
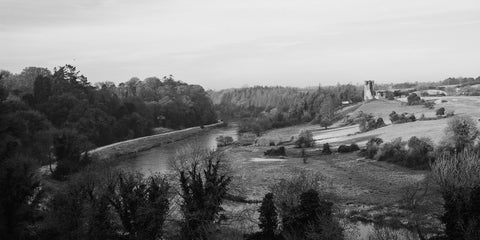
(156, 159)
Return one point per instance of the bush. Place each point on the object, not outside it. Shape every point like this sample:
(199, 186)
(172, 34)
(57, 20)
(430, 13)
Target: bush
(414, 99)
(313, 219)
(268, 217)
(367, 122)
(461, 133)
(305, 139)
(275, 152)
(372, 147)
(459, 181)
(347, 149)
(109, 206)
(326, 149)
(429, 104)
(223, 141)
(204, 184)
(396, 118)
(393, 152)
(440, 111)
(420, 153)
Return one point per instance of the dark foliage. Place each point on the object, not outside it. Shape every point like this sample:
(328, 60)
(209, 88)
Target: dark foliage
(203, 188)
(367, 122)
(440, 111)
(396, 118)
(372, 147)
(275, 152)
(312, 219)
(116, 206)
(20, 198)
(268, 217)
(347, 149)
(326, 149)
(414, 99)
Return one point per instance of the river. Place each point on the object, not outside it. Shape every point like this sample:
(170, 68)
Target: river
(156, 159)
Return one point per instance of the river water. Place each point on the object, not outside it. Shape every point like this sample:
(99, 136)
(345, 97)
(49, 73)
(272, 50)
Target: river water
(156, 159)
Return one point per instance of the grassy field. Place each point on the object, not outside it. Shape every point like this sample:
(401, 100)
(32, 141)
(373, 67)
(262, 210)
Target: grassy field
(365, 189)
(433, 129)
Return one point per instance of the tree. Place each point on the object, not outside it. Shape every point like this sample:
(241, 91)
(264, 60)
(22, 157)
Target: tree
(413, 99)
(327, 112)
(305, 139)
(42, 88)
(20, 199)
(268, 217)
(141, 203)
(204, 184)
(70, 150)
(461, 132)
(440, 111)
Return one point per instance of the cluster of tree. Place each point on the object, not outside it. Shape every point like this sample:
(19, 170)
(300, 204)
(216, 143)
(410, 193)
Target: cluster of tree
(348, 148)
(103, 204)
(58, 116)
(274, 107)
(296, 209)
(396, 118)
(367, 122)
(461, 81)
(304, 139)
(223, 141)
(275, 152)
(461, 134)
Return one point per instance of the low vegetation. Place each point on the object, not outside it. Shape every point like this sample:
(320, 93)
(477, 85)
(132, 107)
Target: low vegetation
(367, 122)
(304, 139)
(348, 148)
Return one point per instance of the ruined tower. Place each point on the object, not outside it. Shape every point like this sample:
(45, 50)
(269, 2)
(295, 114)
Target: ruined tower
(368, 92)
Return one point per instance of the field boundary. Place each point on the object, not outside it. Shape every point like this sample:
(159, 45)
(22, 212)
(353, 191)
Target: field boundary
(144, 143)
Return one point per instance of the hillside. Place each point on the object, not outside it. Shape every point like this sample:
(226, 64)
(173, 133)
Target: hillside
(434, 129)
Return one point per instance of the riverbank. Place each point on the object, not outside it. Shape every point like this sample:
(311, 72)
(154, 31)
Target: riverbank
(136, 145)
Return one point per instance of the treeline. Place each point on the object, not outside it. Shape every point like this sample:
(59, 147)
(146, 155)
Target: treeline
(271, 107)
(57, 116)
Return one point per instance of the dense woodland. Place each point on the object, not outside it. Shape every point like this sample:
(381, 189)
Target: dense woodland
(263, 108)
(55, 115)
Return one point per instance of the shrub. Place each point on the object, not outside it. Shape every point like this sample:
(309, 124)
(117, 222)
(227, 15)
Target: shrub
(372, 147)
(393, 151)
(326, 149)
(461, 132)
(347, 149)
(429, 104)
(414, 99)
(109, 206)
(311, 220)
(268, 217)
(20, 199)
(459, 181)
(305, 139)
(396, 118)
(204, 184)
(68, 146)
(275, 152)
(223, 141)
(440, 111)
(420, 153)
(367, 122)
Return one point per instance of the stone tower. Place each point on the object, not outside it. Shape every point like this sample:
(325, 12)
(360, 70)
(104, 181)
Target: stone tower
(368, 92)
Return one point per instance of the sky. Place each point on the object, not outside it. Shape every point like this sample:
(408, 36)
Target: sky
(225, 43)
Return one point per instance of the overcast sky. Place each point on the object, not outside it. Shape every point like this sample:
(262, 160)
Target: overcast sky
(232, 43)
